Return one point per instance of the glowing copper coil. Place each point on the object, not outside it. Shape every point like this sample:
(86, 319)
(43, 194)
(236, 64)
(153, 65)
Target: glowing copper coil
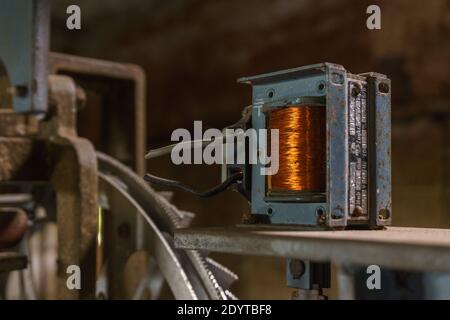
(302, 150)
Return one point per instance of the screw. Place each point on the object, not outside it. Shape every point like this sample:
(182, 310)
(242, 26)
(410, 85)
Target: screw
(356, 90)
(320, 213)
(384, 214)
(383, 87)
(321, 86)
(296, 268)
(357, 212)
(337, 78)
(338, 213)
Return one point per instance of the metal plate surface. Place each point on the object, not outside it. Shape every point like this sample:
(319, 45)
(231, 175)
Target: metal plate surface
(419, 249)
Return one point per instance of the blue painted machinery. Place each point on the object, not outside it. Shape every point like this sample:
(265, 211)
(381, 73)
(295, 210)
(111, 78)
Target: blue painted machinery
(351, 117)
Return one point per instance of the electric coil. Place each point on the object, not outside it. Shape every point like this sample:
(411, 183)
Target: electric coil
(302, 150)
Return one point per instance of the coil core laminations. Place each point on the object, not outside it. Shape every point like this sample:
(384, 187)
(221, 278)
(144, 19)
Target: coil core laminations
(302, 150)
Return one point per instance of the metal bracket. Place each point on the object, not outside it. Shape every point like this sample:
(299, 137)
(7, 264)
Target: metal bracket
(24, 46)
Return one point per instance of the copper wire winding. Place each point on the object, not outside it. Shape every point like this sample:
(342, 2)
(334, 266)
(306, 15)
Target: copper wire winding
(302, 158)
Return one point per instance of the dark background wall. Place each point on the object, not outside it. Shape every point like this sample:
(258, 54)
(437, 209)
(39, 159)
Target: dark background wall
(193, 51)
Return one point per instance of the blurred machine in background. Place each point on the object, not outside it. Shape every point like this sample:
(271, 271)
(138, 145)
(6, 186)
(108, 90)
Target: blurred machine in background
(65, 204)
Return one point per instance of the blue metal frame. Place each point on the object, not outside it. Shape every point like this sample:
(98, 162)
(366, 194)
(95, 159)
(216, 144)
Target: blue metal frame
(329, 82)
(24, 49)
(381, 186)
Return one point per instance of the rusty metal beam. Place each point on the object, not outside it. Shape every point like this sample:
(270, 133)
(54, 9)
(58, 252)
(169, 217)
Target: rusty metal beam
(68, 64)
(74, 178)
(415, 249)
(12, 261)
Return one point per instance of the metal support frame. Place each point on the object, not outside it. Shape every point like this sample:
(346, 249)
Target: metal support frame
(395, 248)
(122, 88)
(69, 163)
(409, 249)
(309, 278)
(97, 72)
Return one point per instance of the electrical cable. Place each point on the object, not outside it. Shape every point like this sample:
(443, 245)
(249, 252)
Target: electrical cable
(200, 143)
(194, 144)
(235, 177)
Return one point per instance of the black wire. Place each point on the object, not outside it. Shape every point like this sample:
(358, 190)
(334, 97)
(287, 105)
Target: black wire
(181, 186)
